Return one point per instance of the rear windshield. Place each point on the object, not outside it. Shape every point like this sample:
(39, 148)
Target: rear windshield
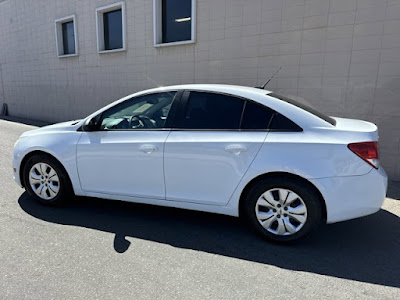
(306, 107)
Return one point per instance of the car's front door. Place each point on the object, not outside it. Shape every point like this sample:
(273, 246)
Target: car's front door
(125, 155)
(210, 149)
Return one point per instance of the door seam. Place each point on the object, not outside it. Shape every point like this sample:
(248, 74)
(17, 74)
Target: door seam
(76, 162)
(165, 183)
(245, 173)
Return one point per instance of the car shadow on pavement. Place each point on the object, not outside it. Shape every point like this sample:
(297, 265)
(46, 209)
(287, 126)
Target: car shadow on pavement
(393, 190)
(365, 249)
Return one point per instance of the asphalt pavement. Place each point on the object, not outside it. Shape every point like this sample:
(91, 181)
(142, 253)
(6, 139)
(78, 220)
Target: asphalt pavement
(98, 249)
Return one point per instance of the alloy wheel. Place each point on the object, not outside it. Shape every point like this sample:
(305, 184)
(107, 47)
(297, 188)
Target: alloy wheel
(44, 181)
(281, 211)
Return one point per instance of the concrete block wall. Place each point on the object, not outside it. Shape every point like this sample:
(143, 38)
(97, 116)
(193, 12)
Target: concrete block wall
(343, 56)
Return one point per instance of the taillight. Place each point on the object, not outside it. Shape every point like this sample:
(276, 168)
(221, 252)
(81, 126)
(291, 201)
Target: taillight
(368, 151)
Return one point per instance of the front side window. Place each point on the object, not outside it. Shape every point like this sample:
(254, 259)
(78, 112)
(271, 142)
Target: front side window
(66, 36)
(175, 21)
(143, 112)
(211, 111)
(111, 27)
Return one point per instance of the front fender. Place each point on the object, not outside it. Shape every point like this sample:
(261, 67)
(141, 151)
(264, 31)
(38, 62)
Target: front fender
(61, 146)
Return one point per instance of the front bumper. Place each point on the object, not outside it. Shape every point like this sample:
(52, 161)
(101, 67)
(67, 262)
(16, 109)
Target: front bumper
(350, 197)
(16, 163)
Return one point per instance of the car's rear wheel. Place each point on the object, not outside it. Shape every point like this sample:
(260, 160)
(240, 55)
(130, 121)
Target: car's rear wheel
(46, 180)
(282, 209)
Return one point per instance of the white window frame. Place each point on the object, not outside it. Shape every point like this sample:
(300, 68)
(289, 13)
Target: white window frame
(59, 36)
(100, 28)
(157, 25)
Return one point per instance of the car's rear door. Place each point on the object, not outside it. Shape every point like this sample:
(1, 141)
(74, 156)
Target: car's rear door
(125, 156)
(208, 152)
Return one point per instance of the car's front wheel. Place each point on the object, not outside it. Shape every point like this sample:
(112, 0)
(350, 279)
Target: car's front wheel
(282, 209)
(46, 180)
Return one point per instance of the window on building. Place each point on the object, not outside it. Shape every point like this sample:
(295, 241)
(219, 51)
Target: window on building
(174, 22)
(66, 38)
(111, 27)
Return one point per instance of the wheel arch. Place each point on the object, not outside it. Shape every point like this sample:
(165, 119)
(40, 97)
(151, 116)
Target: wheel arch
(38, 152)
(261, 177)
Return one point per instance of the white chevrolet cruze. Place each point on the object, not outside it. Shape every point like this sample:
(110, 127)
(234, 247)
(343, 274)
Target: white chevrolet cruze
(240, 151)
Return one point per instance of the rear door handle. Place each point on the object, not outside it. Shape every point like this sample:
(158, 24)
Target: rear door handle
(235, 149)
(147, 148)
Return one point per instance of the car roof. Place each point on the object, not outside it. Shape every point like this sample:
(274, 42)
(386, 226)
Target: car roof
(221, 88)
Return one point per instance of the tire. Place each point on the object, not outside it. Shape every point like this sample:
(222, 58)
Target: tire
(284, 220)
(54, 189)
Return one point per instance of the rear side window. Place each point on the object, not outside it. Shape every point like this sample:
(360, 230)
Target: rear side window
(281, 123)
(256, 116)
(211, 111)
(305, 107)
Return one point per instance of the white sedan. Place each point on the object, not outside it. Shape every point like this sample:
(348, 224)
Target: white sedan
(240, 151)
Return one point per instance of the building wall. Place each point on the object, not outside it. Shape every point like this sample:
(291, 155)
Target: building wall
(1, 88)
(343, 56)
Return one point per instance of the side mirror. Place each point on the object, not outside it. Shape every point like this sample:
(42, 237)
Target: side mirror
(91, 124)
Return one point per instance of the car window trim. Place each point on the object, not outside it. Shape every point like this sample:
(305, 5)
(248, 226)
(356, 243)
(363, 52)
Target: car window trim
(243, 110)
(180, 112)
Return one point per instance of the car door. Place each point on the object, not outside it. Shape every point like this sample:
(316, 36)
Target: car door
(211, 148)
(125, 155)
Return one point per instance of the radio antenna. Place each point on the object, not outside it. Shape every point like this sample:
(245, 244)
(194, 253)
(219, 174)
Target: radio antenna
(269, 79)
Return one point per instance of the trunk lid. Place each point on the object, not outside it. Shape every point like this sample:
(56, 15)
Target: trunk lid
(357, 130)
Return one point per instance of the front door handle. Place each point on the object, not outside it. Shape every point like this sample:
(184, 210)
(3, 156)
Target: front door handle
(147, 148)
(235, 149)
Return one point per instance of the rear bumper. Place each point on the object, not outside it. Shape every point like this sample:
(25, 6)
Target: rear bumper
(350, 197)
